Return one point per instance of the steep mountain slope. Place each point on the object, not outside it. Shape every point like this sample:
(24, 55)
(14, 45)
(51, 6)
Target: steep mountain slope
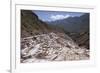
(73, 24)
(76, 27)
(82, 38)
(31, 25)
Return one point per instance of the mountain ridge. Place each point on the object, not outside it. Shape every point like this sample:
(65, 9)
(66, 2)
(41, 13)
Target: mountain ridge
(73, 24)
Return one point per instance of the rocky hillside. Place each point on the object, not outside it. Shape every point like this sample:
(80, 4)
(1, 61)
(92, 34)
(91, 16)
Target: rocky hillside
(76, 27)
(82, 38)
(41, 42)
(51, 47)
(31, 25)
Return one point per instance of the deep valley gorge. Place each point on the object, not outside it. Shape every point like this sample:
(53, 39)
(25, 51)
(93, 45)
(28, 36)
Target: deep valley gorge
(45, 41)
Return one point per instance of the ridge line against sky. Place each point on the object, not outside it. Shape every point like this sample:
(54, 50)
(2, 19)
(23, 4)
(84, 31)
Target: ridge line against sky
(55, 15)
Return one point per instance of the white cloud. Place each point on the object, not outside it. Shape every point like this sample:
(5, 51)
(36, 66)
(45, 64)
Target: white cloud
(58, 17)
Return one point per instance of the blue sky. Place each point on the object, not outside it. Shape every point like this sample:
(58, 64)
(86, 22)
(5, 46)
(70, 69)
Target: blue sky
(55, 15)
